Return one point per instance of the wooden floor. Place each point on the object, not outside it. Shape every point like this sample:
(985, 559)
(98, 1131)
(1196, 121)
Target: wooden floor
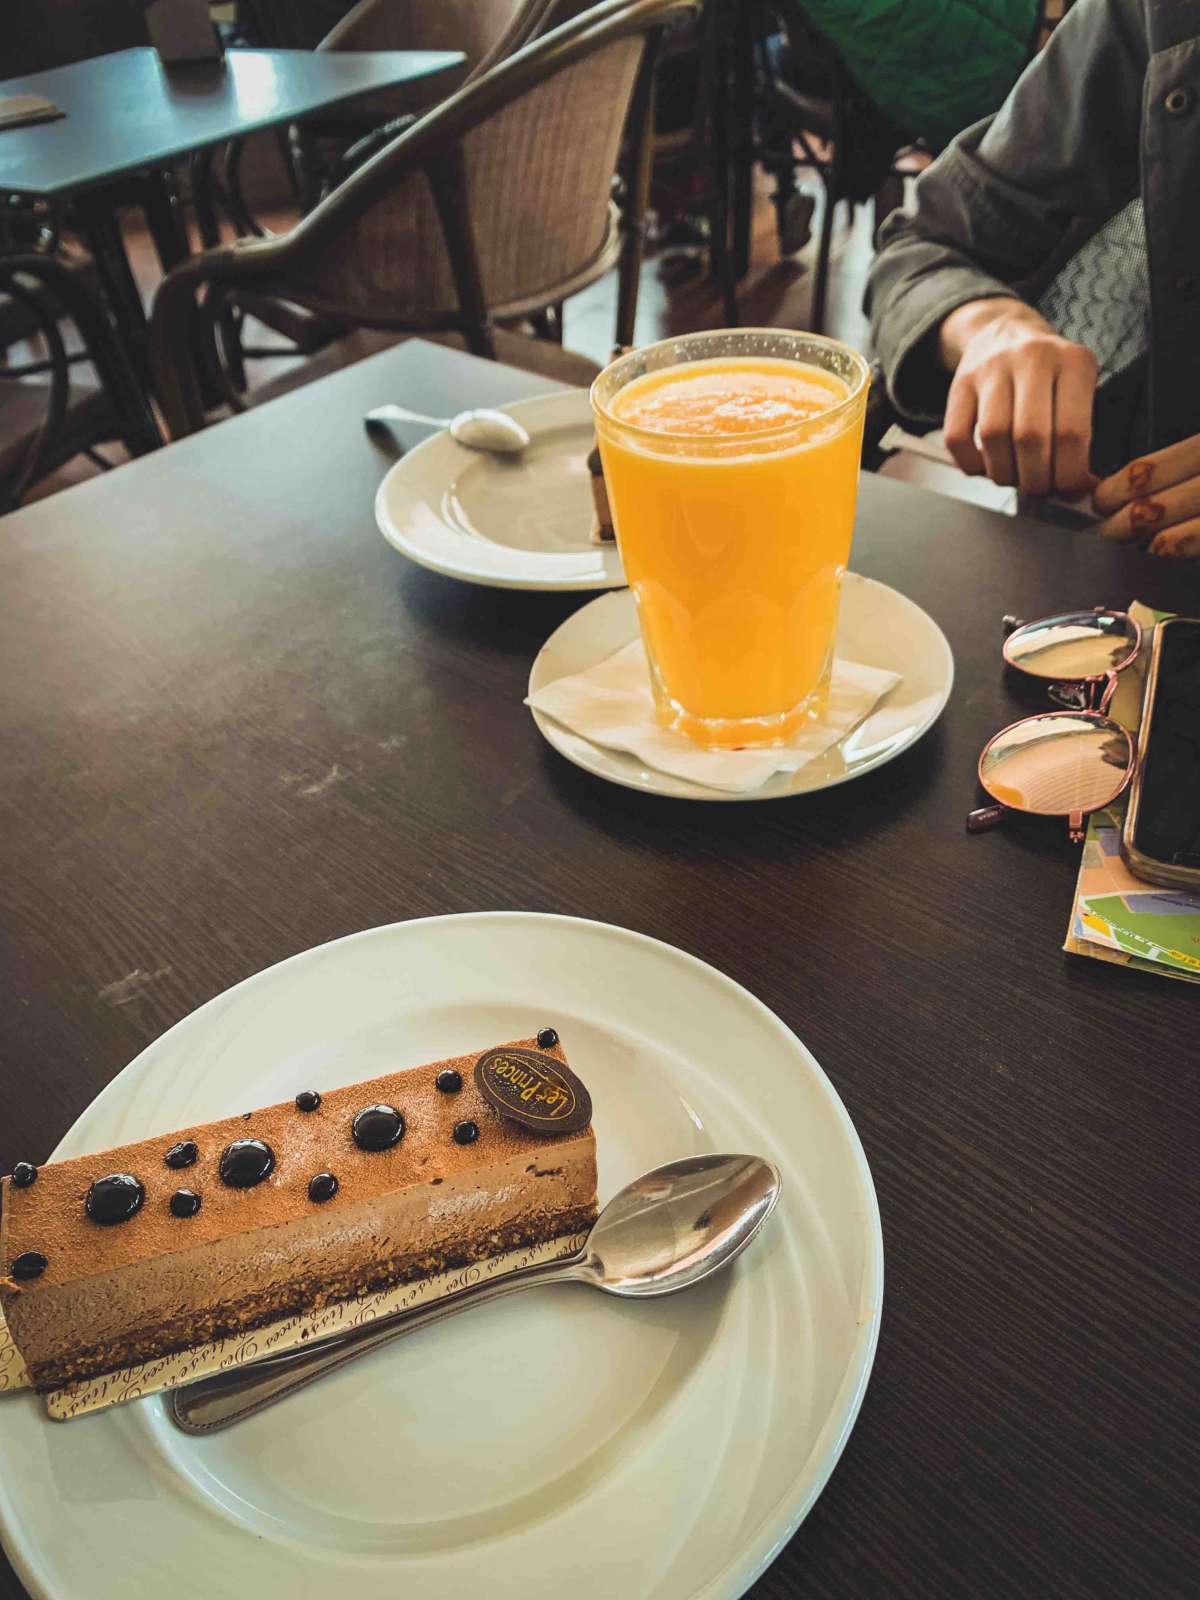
(676, 296)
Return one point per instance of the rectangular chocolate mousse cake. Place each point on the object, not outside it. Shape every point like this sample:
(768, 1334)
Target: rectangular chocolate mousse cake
(110, 1260)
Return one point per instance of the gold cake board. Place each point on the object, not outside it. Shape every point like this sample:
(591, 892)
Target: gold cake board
(186, 1366)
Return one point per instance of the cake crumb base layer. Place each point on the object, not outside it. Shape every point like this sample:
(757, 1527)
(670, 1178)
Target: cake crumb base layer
(136, 1381)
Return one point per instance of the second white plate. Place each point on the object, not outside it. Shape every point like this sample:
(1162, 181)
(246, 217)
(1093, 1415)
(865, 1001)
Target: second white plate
(878, 627)
(506, 523)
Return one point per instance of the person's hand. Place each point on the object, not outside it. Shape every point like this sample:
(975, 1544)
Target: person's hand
(1157, 498)
(1026, 391)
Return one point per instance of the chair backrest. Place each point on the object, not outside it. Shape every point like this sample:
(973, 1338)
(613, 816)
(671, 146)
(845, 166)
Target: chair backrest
(484, 30)
(497, 201)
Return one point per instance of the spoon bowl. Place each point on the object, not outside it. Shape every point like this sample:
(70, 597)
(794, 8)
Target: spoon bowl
(675, 1225)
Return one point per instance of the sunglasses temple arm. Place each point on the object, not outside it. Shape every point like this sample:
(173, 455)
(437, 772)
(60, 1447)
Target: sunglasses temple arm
(986, 817)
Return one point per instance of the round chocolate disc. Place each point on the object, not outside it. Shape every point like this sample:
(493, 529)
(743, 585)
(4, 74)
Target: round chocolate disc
(23, 1174)
(114, 1198)
(449, 1081)
(183, 1154)
(29, 1264)
(307, 1100)
(184, 1203)
(547, 1039)
(536, 1090)
(466, 1132)
(246, 1162)
(378, 1128)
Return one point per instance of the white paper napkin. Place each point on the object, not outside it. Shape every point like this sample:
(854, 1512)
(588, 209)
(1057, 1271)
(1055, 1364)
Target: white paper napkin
(611, 705)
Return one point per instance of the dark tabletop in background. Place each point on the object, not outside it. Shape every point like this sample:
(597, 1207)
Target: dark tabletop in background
(126, 110)
(191, 643)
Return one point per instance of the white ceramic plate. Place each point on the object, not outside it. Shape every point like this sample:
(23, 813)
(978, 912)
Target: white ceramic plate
(509, 523)
(556, 1443)
(878, 627)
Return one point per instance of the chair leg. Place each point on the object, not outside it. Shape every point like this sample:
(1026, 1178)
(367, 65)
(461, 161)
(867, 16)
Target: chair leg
(715, 114)
(637, 196)
(164, 217)
(741, 43)
(201, 168)
(824, 250)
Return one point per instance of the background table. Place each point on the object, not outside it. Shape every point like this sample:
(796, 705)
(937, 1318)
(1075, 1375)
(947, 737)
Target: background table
(127, 114)
(235, 723)
(127, 110)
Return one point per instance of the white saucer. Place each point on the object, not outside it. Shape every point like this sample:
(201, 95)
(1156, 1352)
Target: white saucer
(508, 523)
(557, 1443)
(878, 627)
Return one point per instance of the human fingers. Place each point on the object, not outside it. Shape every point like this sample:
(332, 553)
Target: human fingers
(1182, 540)
(1033, 425)
(1074, 393)
(958, 429)
(996, 428)
(1149, 474)
(1149, 513)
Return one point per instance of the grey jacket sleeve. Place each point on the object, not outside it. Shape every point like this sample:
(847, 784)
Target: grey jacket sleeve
(995, 206)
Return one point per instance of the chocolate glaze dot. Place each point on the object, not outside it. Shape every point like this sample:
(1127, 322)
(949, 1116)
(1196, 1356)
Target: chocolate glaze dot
(323, 1187)
(466, 1132)
(114, 1198)
(29, 1264)
(246, 1162)
(547, 1039)
(449, 1081)
(184, 1203)
(378, 1128)
(23, 1174)
(183, 1154)
(307, 1100)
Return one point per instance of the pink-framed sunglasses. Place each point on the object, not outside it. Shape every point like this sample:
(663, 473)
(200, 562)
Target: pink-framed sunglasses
(1071, 762)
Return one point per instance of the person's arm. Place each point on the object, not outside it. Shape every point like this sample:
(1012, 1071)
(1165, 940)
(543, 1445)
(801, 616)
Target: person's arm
(944, 294)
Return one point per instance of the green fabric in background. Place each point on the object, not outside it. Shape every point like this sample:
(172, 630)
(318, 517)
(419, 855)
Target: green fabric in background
(932, 66)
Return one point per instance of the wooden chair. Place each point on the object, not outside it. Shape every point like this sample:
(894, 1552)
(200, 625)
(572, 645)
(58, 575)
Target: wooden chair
(48, 415)
(486, 31)
(496, 204)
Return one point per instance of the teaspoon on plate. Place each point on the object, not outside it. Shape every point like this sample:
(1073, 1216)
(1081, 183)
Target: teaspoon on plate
(665, 1231)
(478, 429)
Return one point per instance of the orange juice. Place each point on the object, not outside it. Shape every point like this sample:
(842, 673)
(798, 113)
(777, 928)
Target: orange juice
(732, 482)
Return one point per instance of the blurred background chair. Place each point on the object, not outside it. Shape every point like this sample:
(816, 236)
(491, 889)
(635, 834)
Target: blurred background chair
(494, 206)
(486, 31)
(50, 410)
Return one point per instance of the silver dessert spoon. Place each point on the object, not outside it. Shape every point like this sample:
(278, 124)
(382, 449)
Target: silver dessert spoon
(665, 1231)
(479, 429)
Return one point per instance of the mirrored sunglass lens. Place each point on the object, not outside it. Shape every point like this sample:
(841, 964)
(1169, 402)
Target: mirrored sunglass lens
(1057, 765)
(1078, 644)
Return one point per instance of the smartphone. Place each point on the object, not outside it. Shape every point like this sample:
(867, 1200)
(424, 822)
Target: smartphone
(1161, 838)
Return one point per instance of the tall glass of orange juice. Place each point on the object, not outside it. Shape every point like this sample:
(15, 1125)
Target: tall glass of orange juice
(731, 462)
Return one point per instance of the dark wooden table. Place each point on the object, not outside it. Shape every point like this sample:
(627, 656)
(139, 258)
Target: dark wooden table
(129, 117)
(177, 635)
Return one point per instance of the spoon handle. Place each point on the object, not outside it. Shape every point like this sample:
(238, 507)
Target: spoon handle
(218, 1401)
(393, 413)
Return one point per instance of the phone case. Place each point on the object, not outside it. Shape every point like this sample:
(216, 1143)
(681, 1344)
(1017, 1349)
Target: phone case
(1140, 864)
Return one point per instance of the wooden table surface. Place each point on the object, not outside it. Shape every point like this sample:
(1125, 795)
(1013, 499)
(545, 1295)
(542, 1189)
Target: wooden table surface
(127, 110)
(205, 658)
